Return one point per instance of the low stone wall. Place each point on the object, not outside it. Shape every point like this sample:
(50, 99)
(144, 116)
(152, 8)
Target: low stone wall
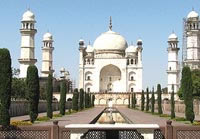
(180, 106)
(20, 107)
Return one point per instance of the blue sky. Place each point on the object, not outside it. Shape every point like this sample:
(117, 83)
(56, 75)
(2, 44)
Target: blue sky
(70, 20)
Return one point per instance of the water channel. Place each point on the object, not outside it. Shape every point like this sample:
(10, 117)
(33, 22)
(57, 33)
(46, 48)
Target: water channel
(111, 115)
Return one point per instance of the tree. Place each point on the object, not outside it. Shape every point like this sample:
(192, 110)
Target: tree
(147, 103)
(187, 89)
(81, 99)
(75, 100)
(129, 101)
(90, 100)
(84, 99)
(19, 90)
(32, 82)
(152, 101)
(159, 93)
(134, 100)
(196, 82)
(87, 100)
(62, 97)
(172, 103)
(142, 102)
(49, 93)
(5, 86)
(93, 99)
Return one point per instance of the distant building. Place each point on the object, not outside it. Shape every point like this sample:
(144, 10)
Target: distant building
(110, 65)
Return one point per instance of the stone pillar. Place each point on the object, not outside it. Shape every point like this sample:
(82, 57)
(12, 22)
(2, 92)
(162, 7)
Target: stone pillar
(169, 130)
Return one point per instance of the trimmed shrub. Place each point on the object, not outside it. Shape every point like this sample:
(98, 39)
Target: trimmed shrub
(159, 93)
(147, 103)
(187, 90)
(32, 82)
(49, 91)
(75, 100)
(172, 104)
(62, 97)
(143, 100)
(5, 86)
(152, 101)
(134, 100)
(93, 99)
(81, 99)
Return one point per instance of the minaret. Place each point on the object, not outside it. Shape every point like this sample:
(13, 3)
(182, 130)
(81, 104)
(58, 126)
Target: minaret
(173, 70)
(193, 40)
(139, 65)
(139, 44)
(28, 32)
(47, 55)
(81, 63)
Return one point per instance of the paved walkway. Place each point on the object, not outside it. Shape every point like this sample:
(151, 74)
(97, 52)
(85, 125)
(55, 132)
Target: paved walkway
(83, 117)
(139, 117)
(26, 117)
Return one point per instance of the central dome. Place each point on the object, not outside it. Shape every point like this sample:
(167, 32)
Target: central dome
(110, 41)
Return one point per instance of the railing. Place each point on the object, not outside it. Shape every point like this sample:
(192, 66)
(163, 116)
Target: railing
(117, 131)
(99, 131)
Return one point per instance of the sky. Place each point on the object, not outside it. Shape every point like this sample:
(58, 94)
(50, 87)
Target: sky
(71, 20)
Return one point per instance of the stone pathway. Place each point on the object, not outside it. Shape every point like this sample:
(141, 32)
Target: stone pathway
(26, 117)
(139, 117)
(83, 117)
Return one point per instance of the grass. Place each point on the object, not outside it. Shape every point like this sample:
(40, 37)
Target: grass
(164, 115)
(20, 123)
(57, 115)
(43, 118)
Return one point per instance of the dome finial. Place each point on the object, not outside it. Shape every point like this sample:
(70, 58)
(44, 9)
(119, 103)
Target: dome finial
(110, 26)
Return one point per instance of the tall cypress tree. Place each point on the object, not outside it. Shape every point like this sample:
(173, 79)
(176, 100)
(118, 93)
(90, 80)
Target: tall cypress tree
(5, 86)
(49, 91)
(90, 100)
(81, 99)
(32, 82)
(87, 100)
(142, 101)
(129, 101)
(134, 100)
(159, 93)
(147, 103)
(152, 101)
(93, 99)
(172, 103)
(75, 100)
(84, 99)
(187, 89)
(62, 97)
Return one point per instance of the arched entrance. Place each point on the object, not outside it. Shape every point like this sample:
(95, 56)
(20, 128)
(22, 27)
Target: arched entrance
(110, 77)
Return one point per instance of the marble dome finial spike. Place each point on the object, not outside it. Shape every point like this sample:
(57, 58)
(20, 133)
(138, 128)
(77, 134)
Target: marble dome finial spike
(192, 8)
(89, 42)
(110, 26)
